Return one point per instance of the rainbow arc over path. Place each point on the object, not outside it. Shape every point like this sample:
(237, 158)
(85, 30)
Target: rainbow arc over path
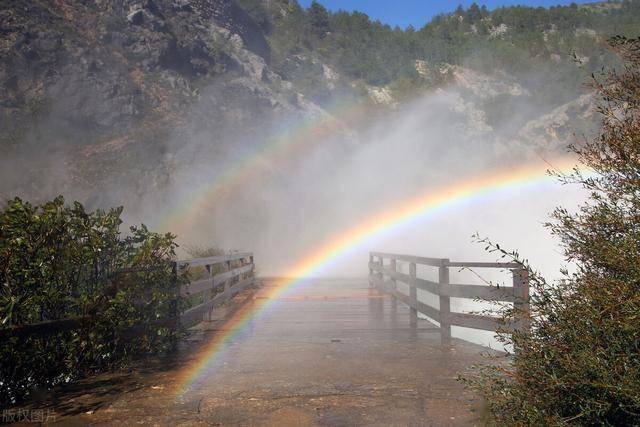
(416, 209)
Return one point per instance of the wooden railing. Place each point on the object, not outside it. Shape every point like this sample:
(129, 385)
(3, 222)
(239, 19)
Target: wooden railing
(518, 293)
(224, 276)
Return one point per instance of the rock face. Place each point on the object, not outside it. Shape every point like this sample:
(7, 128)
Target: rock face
(99, 94)
(95, 61)
(107, 87)
(485, 86)
(381, 96)
(560, 124)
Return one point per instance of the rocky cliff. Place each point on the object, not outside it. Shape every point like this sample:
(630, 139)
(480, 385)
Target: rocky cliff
(100, 96)
(96, 93)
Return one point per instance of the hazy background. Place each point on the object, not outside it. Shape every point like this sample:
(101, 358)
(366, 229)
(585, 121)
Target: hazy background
(286, 207)
(263, 126)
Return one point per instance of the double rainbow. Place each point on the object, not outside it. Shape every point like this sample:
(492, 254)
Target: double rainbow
(300, 137)
(416, 209)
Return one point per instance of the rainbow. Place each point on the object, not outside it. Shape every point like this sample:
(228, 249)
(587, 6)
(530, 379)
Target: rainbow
(303, 134)
(337, 246)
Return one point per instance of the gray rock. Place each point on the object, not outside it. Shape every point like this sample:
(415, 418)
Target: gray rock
(120, 90)
(136, 17)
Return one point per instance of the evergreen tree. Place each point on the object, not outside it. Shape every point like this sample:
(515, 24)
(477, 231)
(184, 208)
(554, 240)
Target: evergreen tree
(318, 19)
(474, 13)
(484, 11)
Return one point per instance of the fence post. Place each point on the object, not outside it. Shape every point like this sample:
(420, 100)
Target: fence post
(226, 282)
(253, 267)
(209, 295)
(380, 283)
(413, 297)
(175, 304)
(521, 293)
(394, 287)
(393, 267)
(445, 303)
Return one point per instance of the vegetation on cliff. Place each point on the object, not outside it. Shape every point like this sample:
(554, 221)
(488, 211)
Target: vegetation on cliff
(523, 41)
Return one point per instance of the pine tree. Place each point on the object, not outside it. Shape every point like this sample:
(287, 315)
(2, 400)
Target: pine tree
(318, 19)
(474, 14)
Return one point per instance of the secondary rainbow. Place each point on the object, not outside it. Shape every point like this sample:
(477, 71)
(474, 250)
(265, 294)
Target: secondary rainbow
(303, 135)
(416, 209)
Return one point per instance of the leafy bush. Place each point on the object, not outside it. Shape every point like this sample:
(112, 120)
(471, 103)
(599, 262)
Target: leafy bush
(60, 262)
(580, 363)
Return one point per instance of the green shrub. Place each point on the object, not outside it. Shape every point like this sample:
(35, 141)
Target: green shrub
(59, 262)
(580, 363)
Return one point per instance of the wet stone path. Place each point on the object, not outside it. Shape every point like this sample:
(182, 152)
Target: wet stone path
(334, 353)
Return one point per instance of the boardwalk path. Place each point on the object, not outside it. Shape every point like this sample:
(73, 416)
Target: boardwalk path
(335, 353)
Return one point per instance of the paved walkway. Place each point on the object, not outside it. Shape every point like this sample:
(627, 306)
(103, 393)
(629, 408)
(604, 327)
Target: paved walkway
(334, 353)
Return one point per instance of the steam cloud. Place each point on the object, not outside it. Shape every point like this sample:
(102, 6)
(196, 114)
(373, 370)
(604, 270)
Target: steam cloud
(289, 205)
(288, 208)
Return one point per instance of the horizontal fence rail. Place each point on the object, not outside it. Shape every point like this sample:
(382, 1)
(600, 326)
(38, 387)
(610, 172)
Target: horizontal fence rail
(385, 278)
(223, 277)
(45, 328)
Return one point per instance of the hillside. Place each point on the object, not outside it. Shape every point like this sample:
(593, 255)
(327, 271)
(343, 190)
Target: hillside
(102, 87)
(107, 100)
